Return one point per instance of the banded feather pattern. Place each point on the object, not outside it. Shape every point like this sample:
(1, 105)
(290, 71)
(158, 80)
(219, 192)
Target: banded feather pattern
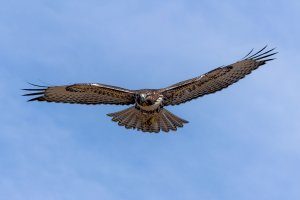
(132, 118)
(83, 94)
(216, 79)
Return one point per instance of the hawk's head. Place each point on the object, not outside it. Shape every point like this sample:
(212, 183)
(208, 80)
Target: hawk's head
(148, 98)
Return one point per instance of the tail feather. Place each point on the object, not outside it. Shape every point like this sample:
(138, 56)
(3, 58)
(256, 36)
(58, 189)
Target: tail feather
(124, 120)
(132, 121)
(175, 119)
(138, 125)
(155, 127)
(163, 125)
(162, 120)
(167, 121)
(172, 119)
(127, 121)
(119, 116)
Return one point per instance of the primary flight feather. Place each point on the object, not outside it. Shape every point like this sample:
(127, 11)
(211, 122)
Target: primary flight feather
(148, 113)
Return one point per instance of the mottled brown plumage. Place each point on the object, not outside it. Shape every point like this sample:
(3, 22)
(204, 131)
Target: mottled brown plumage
(148, 113)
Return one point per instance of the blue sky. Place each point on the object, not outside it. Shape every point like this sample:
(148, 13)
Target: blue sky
(241, 143)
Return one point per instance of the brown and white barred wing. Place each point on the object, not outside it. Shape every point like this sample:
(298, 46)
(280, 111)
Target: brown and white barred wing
(216, 79)
(83, 94)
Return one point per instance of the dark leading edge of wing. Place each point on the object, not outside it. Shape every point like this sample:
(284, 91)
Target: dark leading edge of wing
(216, 79)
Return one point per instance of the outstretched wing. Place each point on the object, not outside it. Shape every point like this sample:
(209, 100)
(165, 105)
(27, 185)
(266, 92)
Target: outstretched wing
(83, 94)
(216, 79)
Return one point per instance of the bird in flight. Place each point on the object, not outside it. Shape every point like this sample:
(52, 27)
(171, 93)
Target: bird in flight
(148, 113)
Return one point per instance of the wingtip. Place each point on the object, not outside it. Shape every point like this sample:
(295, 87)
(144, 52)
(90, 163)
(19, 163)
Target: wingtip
(32, 94)
(248, 54)
(36, 85)
(261, 54)
(34, 99)
(37, 89)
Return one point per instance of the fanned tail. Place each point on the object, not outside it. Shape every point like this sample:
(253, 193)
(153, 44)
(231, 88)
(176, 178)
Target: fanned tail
(163, 120)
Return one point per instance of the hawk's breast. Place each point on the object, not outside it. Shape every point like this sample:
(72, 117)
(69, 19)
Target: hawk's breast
(152, 107)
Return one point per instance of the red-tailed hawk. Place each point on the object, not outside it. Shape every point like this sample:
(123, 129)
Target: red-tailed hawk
(148, 112)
